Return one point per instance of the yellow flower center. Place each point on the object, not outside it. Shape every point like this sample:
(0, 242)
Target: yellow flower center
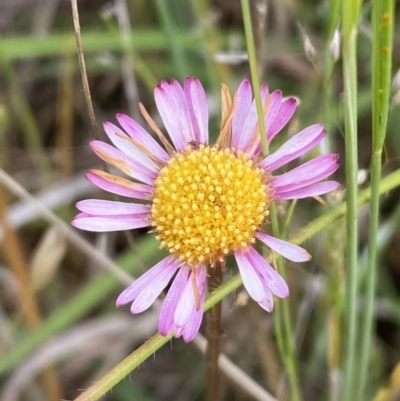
(209, 203)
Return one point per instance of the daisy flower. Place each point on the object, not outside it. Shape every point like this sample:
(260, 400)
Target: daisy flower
(204, 201)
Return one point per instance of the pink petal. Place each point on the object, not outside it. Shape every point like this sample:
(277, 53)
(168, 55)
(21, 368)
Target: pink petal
(139, 134)
(243, 104)
(268, 302)
(118, 185)
(286, 249)
(272, 278)
(186, 305)
(122, 142)
(308, 173)
(145, 280)
(286, 111)
(166, 319)
(312, 190)
(197, 107)
(149, 294)
(246, 137)
(275, 101)
(170, 101)
(294, 147)
(89, 222)
(122, 161)
(193, 324)
(251, 278)
(106, 207)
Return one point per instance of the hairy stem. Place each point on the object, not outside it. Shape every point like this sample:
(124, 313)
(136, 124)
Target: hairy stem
(213, 333)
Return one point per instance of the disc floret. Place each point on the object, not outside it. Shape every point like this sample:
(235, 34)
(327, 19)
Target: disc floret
(208, 203)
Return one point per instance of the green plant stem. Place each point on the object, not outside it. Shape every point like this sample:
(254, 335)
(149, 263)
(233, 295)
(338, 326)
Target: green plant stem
(171, 34)
(349, 21)
(382, 46)
(254, 73)
(157, 341)
(213, 333)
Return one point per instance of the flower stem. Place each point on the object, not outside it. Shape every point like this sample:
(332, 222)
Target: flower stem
(213, 333)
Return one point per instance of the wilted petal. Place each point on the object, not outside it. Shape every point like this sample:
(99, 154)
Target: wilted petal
(284, 248)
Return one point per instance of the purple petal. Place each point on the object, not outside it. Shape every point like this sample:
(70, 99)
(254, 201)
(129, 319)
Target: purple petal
(170, 101)
(251, 278)
(243, 104)
(106, 207)
(275, 101)
(268, 302)
(272, 278)
(286, 111)
(149, 294)
(122, 161)
(197, 107)
(246, 137)
(124, 144)
(89, 222)
(193, 324)
(139, 134)
(186, 304)
(145, 280)
(294, 147)
(118, 185)
(312, 190)
(166, 319)
(286, 249)
(308, 173)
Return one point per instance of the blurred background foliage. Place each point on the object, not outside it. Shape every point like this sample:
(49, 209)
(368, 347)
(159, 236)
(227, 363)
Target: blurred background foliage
(59, 329)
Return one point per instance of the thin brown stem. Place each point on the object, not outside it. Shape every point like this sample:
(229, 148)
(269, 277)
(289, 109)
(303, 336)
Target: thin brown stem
(82, 65)
(213, 333)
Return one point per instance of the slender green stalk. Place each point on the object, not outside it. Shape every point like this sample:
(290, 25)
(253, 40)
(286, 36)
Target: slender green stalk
(382, 47)
(350, 10)
(176, 47)
(254, 73)
(157, 341)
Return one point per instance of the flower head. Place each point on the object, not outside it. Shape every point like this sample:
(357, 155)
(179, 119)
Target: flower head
(204, 201)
